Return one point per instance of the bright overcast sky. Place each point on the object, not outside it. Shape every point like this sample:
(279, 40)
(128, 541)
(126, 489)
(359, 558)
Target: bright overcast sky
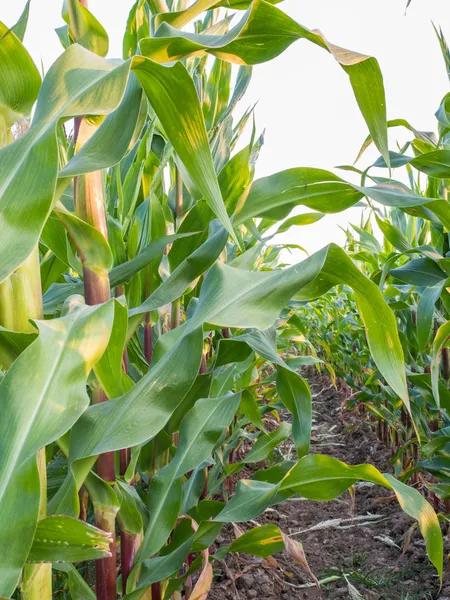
(305, 101)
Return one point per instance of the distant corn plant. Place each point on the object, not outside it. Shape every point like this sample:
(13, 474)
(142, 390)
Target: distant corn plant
(141, 304)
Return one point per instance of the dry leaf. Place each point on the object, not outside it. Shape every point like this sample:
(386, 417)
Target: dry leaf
(295, 550)
(203, 585)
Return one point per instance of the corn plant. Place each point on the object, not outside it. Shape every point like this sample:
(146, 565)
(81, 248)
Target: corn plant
(142, 310)
(409, 264)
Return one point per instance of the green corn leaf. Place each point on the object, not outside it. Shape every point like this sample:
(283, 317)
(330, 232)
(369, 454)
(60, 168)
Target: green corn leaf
(199, 432)
(20, 27)
(421, 135)
(252, 41)
(105, 148)
(425, 313)
(19, 80)
(260, 541)
(44, 404)
(129, 516)
(251, 499)
(434, 164)
(161, 567)
(232, 351)
(78, 588)
(422, 272)
(192, 490)
(417, 507)
(319, 477)
(64, 539)
(85, 29)
(91, 244)
(267, 443)
(295, 394)
(249, 408)
(440, 342)
(142, 412)
(109, 368)
(183, 17)
(192, 267)
(12, 344)
(235, 298)
(153, 251)
(393, 235)
(174, 98)
(137, 28)
(28, 167)
(300, 220)
(276, 195)
(54, 236)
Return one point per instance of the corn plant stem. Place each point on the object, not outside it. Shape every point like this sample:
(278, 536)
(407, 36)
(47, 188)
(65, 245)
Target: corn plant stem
(125, 453)
(89, 205)
(445, 364)
(37, 579)
(128, 540)
(128, 547)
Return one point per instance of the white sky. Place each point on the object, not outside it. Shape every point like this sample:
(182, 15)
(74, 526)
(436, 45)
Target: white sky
(305, 100)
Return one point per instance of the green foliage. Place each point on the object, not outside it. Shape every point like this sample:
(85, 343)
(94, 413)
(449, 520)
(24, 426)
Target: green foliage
(141, 411)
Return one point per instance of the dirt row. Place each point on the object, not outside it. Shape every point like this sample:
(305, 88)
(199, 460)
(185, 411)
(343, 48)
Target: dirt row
(362, 545)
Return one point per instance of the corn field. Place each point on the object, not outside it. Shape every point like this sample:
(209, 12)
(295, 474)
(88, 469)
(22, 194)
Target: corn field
(151, 334)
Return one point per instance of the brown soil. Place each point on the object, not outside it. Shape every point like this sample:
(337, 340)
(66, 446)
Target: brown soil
(364, 552)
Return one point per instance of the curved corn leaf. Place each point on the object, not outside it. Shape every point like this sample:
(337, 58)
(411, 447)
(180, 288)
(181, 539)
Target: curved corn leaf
(425, 136)
(235, 298)
(188, 271)
(84, 28)
(12, 344)
(440, 342)
(44, 404)
(295, 394)
(129, 516)
(142, 412)
(64, 539)
(105, 148)
(266, 443)
(92, 246)
(393, 235)
(109, 368)
(276, 195)
(162, 567)
(137, 27)
(28, 167)
(260, 541)
(319, 477)
(300, 220)
(182, 17)
(421, 272)
(78, 588)
(174, 98)
(19, 80)
(425, 312)
(252, 41)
